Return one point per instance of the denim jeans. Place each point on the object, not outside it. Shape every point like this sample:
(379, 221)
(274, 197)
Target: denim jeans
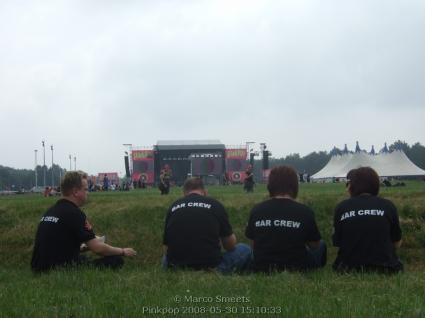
(232, 261)
(318, 255)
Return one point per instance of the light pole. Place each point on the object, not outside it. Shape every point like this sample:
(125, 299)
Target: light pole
(75, 163)
(248, 150)
(53, 180)
(35, 169)
(44, 163)
(70, 163)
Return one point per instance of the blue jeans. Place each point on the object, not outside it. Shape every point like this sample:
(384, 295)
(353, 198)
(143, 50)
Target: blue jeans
(318, 256)
(232, 261)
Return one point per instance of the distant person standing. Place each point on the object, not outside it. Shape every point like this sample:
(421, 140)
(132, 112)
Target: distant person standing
(64, 228)
(366, 227)
(249, 179)
(283, 231)
(105, 182)
(164, 180)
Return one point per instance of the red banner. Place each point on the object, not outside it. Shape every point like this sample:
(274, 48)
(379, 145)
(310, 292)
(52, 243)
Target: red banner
(143, 166)
(235, 153)
(143, 177)
(236, 164)
(139, 155)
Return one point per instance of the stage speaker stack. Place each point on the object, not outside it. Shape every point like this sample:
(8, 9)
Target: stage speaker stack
(127, 167)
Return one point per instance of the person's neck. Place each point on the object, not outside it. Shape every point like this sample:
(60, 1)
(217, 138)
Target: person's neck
(282, 196)
(71, 199)
(199, 192)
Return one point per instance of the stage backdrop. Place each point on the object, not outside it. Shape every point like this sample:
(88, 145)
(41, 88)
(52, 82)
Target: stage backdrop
(206, 164)
(236, 164)
(143, 166)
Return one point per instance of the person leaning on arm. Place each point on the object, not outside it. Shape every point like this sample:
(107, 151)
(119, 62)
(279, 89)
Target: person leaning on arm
(366, 227)
(64, 228)
(284, 232)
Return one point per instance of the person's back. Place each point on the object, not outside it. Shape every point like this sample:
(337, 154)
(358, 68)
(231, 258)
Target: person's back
(366, 227)
(284, 232)
(64, 228)
(54, 246)
(196, 228)
(281, 227)
(195, 224)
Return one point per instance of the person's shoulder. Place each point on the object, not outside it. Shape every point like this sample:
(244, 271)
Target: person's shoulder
(212, 201)
(302, 208)
(302, 205)
(263, 205)
(386, 202)
(345, 202)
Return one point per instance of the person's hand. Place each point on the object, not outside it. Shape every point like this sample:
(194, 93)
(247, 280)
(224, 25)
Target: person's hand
(128, 251)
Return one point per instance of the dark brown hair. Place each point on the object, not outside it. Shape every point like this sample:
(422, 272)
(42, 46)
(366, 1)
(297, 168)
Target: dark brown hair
(283, 180)
(191, 184)
(72, 180)
(363, 180)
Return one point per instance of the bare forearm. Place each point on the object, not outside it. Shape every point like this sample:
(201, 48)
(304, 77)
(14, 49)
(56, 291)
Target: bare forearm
(104, 249)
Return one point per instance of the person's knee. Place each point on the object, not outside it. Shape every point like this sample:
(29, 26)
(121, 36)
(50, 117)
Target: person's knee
(243, 249)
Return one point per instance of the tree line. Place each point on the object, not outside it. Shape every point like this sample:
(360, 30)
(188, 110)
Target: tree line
(16, 179)
(315, 161)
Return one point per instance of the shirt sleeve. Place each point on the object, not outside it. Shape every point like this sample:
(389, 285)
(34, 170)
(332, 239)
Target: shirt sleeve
(395, 231)
(164, 237)
(313, 234)
(81, 228)
(336, 236)
(223, 220)
(249, 230)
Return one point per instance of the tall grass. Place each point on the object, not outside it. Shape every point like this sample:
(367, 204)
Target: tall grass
(141, 288)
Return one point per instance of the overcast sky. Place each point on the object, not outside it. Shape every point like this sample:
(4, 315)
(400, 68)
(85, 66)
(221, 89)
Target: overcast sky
(302, 76)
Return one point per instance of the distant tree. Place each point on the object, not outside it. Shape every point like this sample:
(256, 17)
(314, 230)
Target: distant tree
(15, 179)
(417, 155)
(400, 145)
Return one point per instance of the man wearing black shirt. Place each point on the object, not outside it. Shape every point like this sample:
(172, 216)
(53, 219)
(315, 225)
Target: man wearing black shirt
(196, 226)
(284, 232)
(249, 180)
(64, 228)
(366, 227)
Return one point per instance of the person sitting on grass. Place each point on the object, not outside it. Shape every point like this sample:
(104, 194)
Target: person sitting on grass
(283, 231)
(196, 226)
(366, 227)
(64, 228)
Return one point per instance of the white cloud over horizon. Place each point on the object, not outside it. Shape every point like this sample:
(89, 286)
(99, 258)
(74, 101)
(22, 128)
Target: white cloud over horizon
(302, 76)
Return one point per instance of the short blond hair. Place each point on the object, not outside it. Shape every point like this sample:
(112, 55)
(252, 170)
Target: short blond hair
(192, 184)
(72, 180)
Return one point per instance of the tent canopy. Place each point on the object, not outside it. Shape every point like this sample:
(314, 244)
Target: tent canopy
(385, 164)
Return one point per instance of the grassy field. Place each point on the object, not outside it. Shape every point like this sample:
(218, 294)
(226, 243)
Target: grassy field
(141, 288)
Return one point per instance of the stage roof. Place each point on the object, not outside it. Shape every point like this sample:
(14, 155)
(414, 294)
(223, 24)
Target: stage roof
(189, 144)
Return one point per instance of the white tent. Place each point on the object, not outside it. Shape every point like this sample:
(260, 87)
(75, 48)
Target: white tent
(385, 164)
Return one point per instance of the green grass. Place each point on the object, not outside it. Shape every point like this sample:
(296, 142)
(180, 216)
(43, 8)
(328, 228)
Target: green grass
(141, 288)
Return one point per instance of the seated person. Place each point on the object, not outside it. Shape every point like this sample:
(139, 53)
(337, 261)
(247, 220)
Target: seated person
(366, 227)
(283, 231)
(64, 228)
(196, 227)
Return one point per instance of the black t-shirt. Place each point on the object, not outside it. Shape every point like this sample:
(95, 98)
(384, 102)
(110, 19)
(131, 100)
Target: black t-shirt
(193, 228)
(365, 228)
(60, 233)
(280, 229)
